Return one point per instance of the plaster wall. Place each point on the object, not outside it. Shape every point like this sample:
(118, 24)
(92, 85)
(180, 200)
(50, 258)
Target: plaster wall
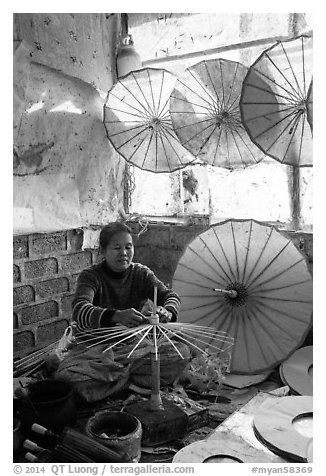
(66, 174)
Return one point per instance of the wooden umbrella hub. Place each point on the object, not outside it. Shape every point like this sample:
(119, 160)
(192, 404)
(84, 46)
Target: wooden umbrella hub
(241, 294)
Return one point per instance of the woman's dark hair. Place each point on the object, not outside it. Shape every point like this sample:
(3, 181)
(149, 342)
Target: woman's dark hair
(108, 231)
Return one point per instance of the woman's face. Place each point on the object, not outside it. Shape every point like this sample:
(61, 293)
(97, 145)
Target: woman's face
(119, 252)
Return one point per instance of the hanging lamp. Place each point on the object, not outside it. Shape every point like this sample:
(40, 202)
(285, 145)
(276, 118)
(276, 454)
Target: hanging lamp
(127, 57)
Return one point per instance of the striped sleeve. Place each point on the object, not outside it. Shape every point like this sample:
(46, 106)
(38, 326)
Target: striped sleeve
(172, 304)
(84, 313)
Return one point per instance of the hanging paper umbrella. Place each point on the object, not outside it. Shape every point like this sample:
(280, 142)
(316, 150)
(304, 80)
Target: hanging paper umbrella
(204, 108)
(138, 123)
(278, 118)
(247, 279)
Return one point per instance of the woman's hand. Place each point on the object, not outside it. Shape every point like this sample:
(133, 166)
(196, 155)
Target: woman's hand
(128, 317)
(163, 314)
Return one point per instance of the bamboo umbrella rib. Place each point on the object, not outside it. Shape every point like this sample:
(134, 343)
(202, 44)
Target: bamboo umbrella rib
(225, 256)
(261, 292)
(143, 338)
(227, 147)
(168, 133)
(249, 322)
(201, 97)
(303, 70)
(235, 252)
(290, 121)
(212, 83)
(292, 132)
(267, 114)
(208, 138)
(245, 145)
(302, 135)
(165, 334)
(292, 71)
(163, 146)
(217, 145)
(35, 355)
(200, 132)
(148, 146)
(198, 306)
(275, 276)
(289, 99)
(160, 95)
(206, 109)
(275, 299)
(214, 257)
(193, 326)
(214, 311)
(269, 264)
(281, 312)
(210, 338)
(141, 126)
(259, 257)
(232, 85)
(223, 102)
(141, 116)
(152, 96)
(247, 251)
(206, 91)
(202, 274)
(295, 93)
(205, 333)
(290, 96)
(136, 332)
(270, 319)
(142, 93)
(137, 148)
(191, 343)
(129, 140)
(143, 113)
(155, 341)
(257, 319)
(156, 148)
(208, 119)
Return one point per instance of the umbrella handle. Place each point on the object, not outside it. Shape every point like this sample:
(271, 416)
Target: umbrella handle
(230, 292)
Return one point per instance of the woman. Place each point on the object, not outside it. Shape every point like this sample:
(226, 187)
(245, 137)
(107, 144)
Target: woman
(117, 291)
(114, 291)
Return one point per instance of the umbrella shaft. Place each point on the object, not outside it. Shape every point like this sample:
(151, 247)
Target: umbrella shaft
(230, 292)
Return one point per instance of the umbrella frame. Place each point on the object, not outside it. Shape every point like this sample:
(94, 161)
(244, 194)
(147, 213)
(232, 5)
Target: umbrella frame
(242, 94)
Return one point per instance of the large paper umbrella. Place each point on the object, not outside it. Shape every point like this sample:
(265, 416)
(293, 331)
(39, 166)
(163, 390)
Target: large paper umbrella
(248, 280)
(138, 123)
(278, 118)
(205, 113)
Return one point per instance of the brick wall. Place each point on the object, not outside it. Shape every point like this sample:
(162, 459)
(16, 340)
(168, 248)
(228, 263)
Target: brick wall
(46, 266)
(45, 269)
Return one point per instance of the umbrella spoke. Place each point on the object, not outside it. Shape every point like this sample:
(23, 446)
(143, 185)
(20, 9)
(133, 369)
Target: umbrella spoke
(151, 111)
(199, 133)
(205, 90)
(284, 270)
(236, 100)
(148, 146)
(261, 347)
(146, 113)
(295, 93)
(281, 312)
(201, 258)
(292, 113)
(142, 125)
(140, 116)
(163, 146)
(168, 134)
(271, 320)
(267, 114)
(208, 119)
(257, 291)
(291, 97)
(225, 255)
(292, 71)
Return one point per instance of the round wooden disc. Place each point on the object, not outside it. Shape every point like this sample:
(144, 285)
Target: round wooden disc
(221, 449)
(297, 371)
(275, 426)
